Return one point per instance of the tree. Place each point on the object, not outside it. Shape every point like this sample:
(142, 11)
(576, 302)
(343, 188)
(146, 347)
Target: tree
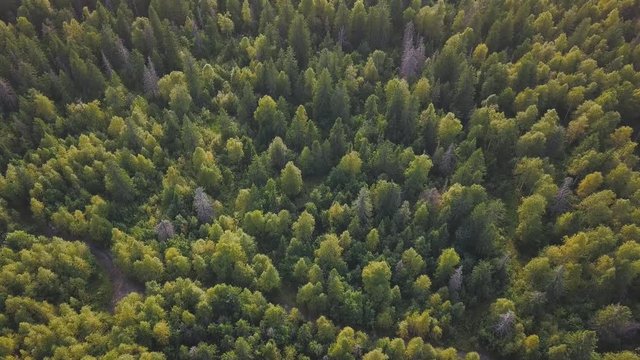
(357, 22)
(348, 344)
(341, 105)
(150, 80)
(530, 233)
(322, 107)
(329, 254)
(376, 278)
(119, 184)
(449, 127)
(164, 230)
(412, 262)
(375, 354)
(350, 164)
(300, 40)
(413, 56)
(301, 131)
(229, 256)
(417, 174)
(472, 171)
(202, 205)
(303, 227)
(386, 198)
(278, 153)
(614, 324)
(400, 112)
(270, 120)
(235, 150)
(291, 180)
(8, 97)
(269, 280)
(447, 261)
(363, 206)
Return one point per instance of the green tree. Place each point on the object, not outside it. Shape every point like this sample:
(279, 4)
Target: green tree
(401, 112)
(376, 278)
(322, 107)
(329, 254)
(417, 174)
(300, 40)
(291, 180)
(530, 233)
(303, 227)
(270, 120)
(350, 164)
(447, 261)
(385, 196)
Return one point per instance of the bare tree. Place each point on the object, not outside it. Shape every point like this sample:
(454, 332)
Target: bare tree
(447, 161)
(537, 297)
(342, 37)
(505, 324)
(432, 197)
(562, 200)
(107, 65)
(123, 54)
(363, 205)
(8, 98)
(202, 206)
(556, 286)
(150, 80)
(455, 282)
(164, 230)
(413, 56)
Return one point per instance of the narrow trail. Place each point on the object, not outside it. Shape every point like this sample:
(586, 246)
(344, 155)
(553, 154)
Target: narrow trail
(121, 285)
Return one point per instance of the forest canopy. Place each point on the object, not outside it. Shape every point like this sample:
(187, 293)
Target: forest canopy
(319, 179)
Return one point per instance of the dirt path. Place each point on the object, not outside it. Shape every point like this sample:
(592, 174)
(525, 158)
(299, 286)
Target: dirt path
(121, 285)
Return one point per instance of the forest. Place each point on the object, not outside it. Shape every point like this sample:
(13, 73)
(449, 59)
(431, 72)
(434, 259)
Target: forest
(320, 179)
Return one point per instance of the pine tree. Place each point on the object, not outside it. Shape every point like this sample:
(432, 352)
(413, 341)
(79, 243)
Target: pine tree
(300, 40)
(322, 107)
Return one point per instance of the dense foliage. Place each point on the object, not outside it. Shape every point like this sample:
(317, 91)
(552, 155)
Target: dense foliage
(307, 179)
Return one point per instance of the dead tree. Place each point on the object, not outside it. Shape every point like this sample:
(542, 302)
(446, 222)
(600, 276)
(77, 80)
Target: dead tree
(413, 56)
(202, 206)
(164, 230)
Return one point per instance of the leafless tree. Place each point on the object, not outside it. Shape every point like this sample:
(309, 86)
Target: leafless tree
(164, 230)
(202, 206)
(150, 80)
(537, 297)
(8, 97)
(123, 54)
(107, 65)
(363, 205)
(432, 197)
(447, 161)
(562, 200)
(505, 323)
(556, 287)
(342, 37)
(413, 56)
(455, 281)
